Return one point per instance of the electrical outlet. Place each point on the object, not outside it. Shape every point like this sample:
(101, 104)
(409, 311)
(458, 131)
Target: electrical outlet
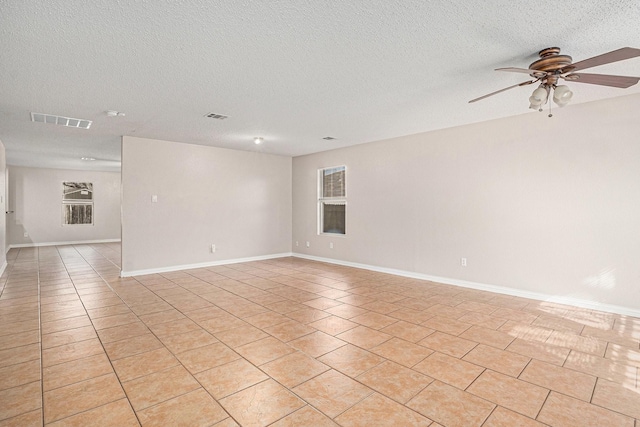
(26, 234)
(463, 262)
(331, 245)
(297, 244)
(154, 198)
(308, 245)
(213, 248)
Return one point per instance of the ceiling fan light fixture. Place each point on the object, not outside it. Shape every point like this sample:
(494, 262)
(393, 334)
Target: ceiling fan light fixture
(538, 98)
(562, 95)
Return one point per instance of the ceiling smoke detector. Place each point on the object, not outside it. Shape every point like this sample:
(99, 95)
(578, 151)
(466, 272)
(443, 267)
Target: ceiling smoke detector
(216, 116)
(113, 113)
(62, 121)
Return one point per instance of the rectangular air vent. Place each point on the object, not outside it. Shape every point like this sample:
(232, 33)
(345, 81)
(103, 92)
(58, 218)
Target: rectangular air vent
(329, 138)
(216, 116)
(62, 121)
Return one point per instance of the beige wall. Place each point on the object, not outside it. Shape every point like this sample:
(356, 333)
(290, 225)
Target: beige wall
(35, 196)
(536, 204)
(240, 201)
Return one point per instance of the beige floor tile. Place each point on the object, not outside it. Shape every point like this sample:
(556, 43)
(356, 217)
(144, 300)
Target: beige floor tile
(446, 325)
(162, 317)
(21, 399)
(411, 315)
(622, 354)
(155, 307)
(488, 336)
(306, 416)
(75, 371)
(395, 381)
(114, 414)
(289, 330)
(322, 303)
(519, 396)
(261, 404)
(566, 381)
(579, 343)
(115, 320)
(307, 315)
(402, 352)
(374, 320)
(20, 339)
(539, 351)
(132, 346)
(483, 320)
(64, 324)
(525, 331)
(294, 369)
(77, 350)
(503, 417)
(364, 337)
(182, 326)
(333, 325)
(601, 367)
(68, 336)
(82, 396)
(377, 410)
(19, 374)
(29, 419)
(564, 411)
(346, 311)
(623, 398)
(449, 370)
(194, 408)
(407, 331)
(266, 319)
(108, 311)
(122, 332)
(221, 323)
(188, 341)
(629, 340)
(351, 360)
(502, 361)
(332, 392)
(450, 406)
(230, 378)
(143, 364)
(159, 386)
(264, 350)
(207, 357)
(240, 336)
(317, 344)
(448, 344)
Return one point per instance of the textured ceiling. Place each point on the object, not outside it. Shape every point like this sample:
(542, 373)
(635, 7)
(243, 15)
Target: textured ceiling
(292, 71)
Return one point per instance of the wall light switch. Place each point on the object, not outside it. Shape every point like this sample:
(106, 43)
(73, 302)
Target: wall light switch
(154, 198)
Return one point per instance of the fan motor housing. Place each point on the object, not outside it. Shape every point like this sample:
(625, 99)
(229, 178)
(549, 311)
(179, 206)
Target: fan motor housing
(551, 62)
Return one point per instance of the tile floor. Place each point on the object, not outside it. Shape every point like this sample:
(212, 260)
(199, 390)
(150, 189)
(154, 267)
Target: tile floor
(291, 342)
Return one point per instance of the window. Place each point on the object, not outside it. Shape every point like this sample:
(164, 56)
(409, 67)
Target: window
(77, 203)
(332, 200)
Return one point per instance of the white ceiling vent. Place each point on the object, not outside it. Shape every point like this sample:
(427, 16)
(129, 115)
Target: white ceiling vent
(62, 121)
(216, 116)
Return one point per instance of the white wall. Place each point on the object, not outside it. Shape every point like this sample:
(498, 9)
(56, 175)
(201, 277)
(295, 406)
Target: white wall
(240, 201)
(536, 204)
(3, 205)
(35, 196)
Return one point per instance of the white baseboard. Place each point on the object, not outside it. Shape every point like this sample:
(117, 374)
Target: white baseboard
(74, 242)
(3, 267)
(610, 308)
(201, 265)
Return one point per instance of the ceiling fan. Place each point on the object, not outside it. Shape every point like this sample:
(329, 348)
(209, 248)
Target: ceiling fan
(551, 67)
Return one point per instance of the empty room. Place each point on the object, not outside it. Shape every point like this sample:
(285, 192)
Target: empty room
(319, 213)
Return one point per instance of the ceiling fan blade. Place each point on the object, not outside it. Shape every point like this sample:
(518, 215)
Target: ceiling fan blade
(521, 70)
(502, 90)
(602, 79)
(606, 58)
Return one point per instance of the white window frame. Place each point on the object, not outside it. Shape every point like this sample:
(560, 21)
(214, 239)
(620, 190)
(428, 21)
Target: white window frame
(70, 202)
(322, 201)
